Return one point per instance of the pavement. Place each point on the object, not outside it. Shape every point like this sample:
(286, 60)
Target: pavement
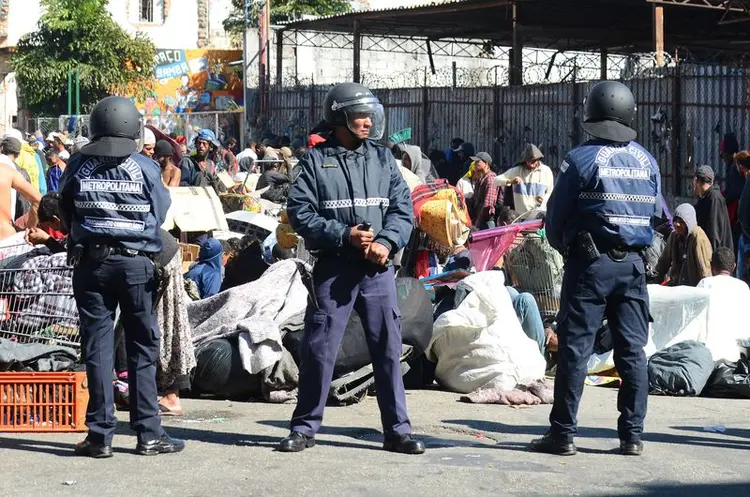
(473, 450)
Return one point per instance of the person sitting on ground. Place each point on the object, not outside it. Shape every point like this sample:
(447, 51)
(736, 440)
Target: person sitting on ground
(506, 216)
(711, 209)
(248, 265)
(206, 273)
(56, 168)
(722, 267)
(272, 177)
(686, 259)
(50, 230)
(532, 181)
(164, 155)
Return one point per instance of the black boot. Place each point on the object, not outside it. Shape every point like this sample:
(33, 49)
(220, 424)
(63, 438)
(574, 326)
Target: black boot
(296, 442)
(162, 445)
(550, 444)
(403, 444)
(88, 448)
(631, 448)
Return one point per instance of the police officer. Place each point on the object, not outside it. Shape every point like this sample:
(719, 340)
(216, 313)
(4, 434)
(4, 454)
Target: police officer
(113, 203)
(599, 217)
(354, 211)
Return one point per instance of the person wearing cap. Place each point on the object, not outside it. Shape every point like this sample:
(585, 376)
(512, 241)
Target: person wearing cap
(486, 194)
(711, 209)
(599, 218)
(59, 143)
(196, 167)
(78, 143)
(12, 183)
(56, 168)
(113, 205)
(686, 258)
(531, 180)
(164, 155)
(28, 161)
(149, 142)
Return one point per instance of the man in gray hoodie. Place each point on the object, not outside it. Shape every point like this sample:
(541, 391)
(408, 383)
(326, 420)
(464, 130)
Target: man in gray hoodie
(686, 259)
(414, 160)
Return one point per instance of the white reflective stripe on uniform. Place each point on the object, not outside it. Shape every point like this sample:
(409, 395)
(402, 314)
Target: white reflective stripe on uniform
(111, 223)
(630, 220)
(618, 197)
(358, 202)
(111, 206)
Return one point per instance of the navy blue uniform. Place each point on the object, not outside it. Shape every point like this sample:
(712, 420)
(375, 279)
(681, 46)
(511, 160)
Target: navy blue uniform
(336, 190)
(611, 191)
(119, 203)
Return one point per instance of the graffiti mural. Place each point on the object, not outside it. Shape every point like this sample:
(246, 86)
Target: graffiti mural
(189, 81)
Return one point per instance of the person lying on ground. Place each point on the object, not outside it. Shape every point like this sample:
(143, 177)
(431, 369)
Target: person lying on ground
(686, 259)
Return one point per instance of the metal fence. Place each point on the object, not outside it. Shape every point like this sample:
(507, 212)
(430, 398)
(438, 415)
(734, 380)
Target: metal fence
(683, 113)
(224, 124)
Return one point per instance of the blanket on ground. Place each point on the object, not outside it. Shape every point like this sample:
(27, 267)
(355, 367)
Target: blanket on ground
(535, 393)
(254, 312)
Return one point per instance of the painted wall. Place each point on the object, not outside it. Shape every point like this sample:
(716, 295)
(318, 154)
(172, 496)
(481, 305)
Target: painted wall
(195, 81)
(23, 16)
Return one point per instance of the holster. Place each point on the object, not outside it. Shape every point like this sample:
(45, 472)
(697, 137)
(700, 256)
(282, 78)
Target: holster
(75, 254)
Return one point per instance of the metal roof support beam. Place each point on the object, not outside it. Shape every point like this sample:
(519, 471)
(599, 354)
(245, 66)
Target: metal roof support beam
(279, 57)
(700, 4)
(357, 52)
(516, 53)
(659, 34)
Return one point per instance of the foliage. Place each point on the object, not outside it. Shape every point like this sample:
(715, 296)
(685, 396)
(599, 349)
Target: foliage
(82, 34)
(282, 11)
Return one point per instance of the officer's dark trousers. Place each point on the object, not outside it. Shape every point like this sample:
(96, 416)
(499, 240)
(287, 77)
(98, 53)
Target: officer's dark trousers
(617, 291)
(98, 289)
(341, 286)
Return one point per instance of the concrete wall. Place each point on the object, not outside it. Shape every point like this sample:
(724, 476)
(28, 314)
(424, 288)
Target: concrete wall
(180, 27)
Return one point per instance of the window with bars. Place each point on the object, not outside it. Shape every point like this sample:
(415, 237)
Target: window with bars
(146, 11)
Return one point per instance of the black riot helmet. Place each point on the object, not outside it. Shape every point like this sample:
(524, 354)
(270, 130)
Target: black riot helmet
(115, 125)
(348, 101)
(608, 112)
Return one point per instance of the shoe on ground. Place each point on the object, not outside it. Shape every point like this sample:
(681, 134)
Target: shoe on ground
(162, 445)
(631, 448)
(550, 444)
(88, 448)
(296, 442)
(403, 444)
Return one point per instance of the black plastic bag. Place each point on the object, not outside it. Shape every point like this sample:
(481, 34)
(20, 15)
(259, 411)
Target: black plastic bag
(219, 371)
(729, 380)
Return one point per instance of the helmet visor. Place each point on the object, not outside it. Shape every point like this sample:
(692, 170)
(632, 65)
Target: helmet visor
(365, 118)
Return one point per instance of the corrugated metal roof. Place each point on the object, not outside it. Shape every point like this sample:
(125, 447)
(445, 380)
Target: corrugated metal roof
(621, 25)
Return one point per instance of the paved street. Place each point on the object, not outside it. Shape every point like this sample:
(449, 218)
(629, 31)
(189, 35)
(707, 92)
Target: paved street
(473, 450)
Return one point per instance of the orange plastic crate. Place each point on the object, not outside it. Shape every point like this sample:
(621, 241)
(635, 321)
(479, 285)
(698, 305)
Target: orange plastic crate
(43, 402)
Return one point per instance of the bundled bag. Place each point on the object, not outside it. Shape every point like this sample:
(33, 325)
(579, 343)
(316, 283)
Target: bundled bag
(730, 380)
(681, 370)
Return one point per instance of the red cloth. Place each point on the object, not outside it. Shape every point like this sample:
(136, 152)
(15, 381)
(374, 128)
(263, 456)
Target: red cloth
(732, 208)
(314, 139)
(57, 235)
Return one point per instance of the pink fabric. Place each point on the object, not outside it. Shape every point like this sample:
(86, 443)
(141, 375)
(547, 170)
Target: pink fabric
(489, 245)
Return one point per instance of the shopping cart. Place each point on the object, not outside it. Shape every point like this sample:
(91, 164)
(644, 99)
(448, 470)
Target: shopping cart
(37, 304)
(530, 263)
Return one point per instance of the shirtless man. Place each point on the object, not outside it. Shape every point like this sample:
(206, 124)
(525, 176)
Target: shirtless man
(163, 153)
(11, 181)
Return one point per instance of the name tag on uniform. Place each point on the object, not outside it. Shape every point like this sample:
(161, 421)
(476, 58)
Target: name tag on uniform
(329, 163)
